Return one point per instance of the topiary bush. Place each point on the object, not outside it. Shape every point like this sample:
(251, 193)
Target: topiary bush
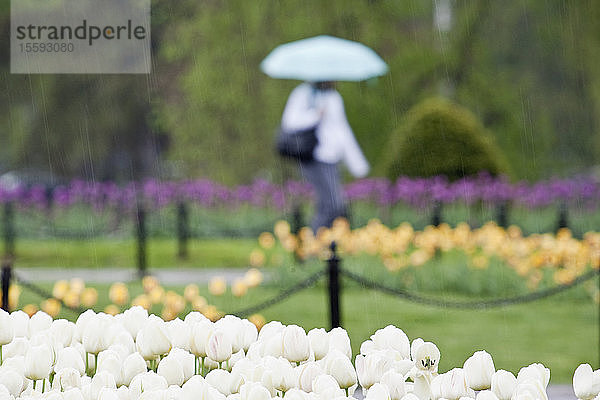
(442, 138)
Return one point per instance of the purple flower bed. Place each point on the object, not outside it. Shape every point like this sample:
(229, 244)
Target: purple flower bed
(580, 191)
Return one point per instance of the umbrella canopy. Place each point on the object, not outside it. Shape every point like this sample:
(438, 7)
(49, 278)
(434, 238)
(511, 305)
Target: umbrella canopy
(323, 58)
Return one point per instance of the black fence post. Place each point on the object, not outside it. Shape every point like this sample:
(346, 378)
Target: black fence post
(334, 287)
(141, 240)
(182, 231)
(9, 229)
(6, 277)
(502, 214)
(563, 216)
(436, 218)
(297, 224)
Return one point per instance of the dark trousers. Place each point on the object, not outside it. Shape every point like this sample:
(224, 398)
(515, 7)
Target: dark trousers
(325, 179)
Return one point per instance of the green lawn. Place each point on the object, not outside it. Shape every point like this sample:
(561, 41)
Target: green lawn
(560, 332)
(108, 253)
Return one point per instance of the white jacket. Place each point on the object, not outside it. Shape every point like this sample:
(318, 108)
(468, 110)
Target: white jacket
(306, 107)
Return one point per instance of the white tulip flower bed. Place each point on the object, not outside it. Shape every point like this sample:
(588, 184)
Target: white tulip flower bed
(134, 355)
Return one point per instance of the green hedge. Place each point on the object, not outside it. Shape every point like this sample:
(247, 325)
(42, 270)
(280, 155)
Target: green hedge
(442, 138)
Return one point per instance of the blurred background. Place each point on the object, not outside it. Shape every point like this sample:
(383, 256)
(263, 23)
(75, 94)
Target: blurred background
(527, 70)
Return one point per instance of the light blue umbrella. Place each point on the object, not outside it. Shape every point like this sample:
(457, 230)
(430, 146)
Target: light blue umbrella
(323, 58)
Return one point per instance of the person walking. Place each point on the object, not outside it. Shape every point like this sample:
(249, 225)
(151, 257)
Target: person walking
(319, 104)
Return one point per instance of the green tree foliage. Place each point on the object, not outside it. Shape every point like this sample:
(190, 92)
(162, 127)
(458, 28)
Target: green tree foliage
(527, 69)
(441, 138)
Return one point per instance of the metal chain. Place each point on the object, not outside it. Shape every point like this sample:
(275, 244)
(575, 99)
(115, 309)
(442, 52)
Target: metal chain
(283, 295)
(45, 294)
(501, 302)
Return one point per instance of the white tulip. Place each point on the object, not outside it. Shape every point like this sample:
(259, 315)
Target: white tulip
(73, 394)
(410, 396)
(66, 378)
(18, 347)
(414, 346)
(254, 391)
(152, 340)
(296, 346)
(124, 393)
(269, 329)
(247, 334)
(367, 347)
(38, 322)
(147, 381)
(171, 369)
(195, 389)
(504, 384)
(101, 380)
(532, 387)
(327, 387)
(220, 380)
(94, 337)
(133, 365)
(16, 364)
(319, 342)
(535, 371)
(187, 361)
(307, 374)
(343, 372)
(108, 394)
(134, 319)
(38, 362)
(427, 357)
(20, 323)
(479, 369)
(378, 392)
(63, 331)
(403, 367)
(180, 334)
(12, 380)
(124, 339)
(273, 345)
(370, 368)
(82, 321)
(392, 338)
(173, 392)
(486, 395)
(586, 382)
(395, 384)
(451, 385)
(339, 340)
(6, 328)
(194, 317)
(219, 347)
(201, 332)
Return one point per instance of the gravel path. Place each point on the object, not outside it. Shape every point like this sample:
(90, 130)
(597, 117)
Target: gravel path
(180, 276)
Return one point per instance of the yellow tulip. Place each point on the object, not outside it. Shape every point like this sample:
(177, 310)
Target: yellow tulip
(30, 309)
(112, 309)
(239, 288)
(51, 307)
(143, 301)
(118, 293)
(60, 288)
(266, 240)
(89, 297)
(258, 320)
(217, 286)
(191, 292)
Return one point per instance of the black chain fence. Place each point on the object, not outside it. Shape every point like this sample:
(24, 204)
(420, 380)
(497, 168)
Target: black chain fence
(481, 304)
(283, 295)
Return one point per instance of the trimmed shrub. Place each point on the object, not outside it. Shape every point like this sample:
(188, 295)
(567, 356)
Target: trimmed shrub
(442, 138)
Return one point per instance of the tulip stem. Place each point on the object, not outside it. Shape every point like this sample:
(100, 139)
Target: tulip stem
(346, 389)
(43, 385)
(95, 363)
(0, 354)
(51, 378)
(34, 382)
(202, 370)
(87, 362)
